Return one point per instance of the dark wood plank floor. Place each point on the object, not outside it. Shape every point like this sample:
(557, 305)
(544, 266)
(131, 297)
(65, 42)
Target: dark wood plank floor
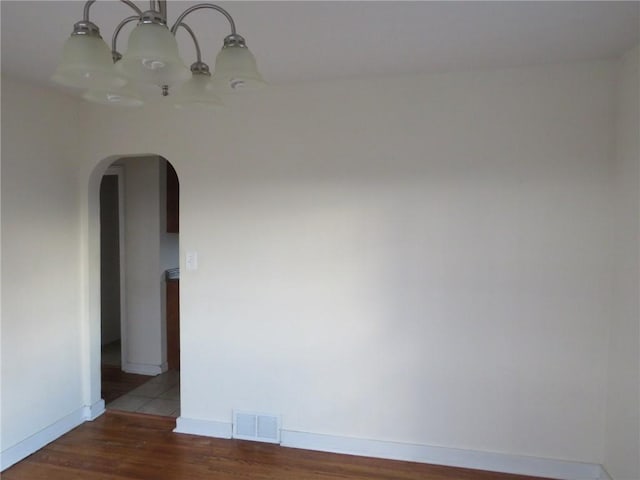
(120, 446)
(116, 383)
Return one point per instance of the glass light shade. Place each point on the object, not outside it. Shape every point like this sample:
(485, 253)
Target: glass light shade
(199, 91)
(152, 56)
(236, 69)
(118, 97)
(87, 63)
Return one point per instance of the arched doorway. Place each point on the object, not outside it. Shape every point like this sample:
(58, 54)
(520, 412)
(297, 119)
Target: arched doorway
(143, 191)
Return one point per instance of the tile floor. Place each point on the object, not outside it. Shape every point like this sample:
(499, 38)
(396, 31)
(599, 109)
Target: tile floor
(159, 396)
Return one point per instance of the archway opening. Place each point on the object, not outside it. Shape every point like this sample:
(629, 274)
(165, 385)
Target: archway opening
(135, 290)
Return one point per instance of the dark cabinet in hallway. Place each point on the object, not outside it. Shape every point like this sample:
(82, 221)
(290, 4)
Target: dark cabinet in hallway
(173, 324)
(173, 200)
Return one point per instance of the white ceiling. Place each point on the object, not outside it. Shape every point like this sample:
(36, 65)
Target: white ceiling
(308, 41)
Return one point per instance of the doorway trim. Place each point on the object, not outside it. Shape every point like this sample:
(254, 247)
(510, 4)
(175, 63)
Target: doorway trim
(94, 404)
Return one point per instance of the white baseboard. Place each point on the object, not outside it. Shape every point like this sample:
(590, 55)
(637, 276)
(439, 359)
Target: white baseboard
(206, 428)
(38, 440)
(144, 369)
(91, 412)
(496, 462)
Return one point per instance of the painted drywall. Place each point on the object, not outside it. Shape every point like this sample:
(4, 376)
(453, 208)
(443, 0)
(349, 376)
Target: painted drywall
(149, 251)
(622, 459)
(421, 259)
(42, 332)
(143, 278)
(109, 260)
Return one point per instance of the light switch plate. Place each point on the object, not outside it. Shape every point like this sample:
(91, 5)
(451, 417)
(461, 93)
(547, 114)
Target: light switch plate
(192, 260)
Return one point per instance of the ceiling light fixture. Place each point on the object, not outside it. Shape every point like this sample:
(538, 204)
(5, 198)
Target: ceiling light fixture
(152, 58)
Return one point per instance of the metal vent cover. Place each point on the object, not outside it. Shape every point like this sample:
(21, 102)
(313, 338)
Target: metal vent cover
(259, 427)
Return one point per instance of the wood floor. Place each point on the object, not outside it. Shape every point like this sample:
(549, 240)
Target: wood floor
(120, 446)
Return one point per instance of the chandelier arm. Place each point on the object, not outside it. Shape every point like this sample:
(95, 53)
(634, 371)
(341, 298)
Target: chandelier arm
(195, 40)
(88, 4)
(200, 6)
(116, 32)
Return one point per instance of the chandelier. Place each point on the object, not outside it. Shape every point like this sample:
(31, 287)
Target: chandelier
(152, 57)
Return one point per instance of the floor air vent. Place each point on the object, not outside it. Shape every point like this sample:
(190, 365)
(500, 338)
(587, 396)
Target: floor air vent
(256, 426)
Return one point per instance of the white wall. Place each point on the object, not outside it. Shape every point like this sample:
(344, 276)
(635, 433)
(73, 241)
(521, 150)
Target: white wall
(418, 259)
(42, 329)
(622, 459)
(145, 326)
